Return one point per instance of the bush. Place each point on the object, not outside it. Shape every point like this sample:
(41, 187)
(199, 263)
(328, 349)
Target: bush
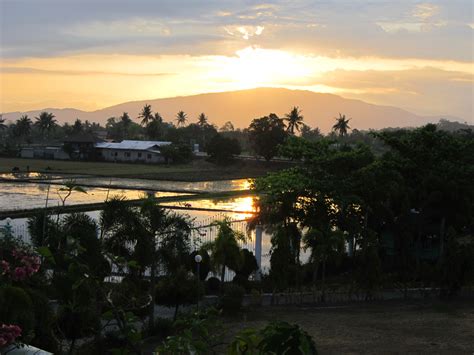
(178, 289)
(275, 338)
(231, 300)
(16, 308)
(213, 285)
(77, 323)
(163, 327)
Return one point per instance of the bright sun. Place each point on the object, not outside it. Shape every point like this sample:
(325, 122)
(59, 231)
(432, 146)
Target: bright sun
(259, 67)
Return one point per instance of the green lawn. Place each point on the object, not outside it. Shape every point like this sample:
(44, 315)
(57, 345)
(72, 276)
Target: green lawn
(195, 171)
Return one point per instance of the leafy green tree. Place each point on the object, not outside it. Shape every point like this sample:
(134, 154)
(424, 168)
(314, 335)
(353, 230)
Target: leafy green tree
(341, 126)
(157, 118)
(310, 134)
(146, 115)
(294, 120)
(154, 129)
(266, 134)
(176, 153)
(77, 127)
(227, 127)
(222, 150)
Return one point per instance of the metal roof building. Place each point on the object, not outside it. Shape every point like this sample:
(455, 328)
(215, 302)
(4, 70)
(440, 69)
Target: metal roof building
(132, 151)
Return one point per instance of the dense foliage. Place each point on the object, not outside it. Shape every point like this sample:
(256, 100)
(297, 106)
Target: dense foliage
(400, 214)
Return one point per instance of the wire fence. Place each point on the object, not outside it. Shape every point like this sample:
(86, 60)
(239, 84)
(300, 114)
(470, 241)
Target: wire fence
(203, 231)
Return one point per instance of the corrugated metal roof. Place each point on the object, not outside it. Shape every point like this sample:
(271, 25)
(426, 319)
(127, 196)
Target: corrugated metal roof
(132, 145)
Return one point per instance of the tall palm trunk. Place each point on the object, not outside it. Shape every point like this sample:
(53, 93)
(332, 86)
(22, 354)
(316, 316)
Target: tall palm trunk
(222, 275)
(323, 282)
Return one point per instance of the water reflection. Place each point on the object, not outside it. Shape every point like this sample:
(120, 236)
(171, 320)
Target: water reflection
(201, 186)
(237, 205)
(15, 196)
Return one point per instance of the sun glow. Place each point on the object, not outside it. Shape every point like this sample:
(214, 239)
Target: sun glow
(252, 67)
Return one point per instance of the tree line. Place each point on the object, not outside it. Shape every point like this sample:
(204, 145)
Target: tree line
(261, 138)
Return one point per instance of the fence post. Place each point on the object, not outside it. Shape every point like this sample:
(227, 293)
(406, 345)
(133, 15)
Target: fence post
(258, 251)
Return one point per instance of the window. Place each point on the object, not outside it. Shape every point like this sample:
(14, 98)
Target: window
(148, 156)
(115, 154)
(139, 155)
(127, 154)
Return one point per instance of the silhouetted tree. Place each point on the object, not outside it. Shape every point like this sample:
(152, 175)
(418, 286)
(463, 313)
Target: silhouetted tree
(202, 120)
(146, 115)
(294, 119)
(23, 127)
(181, 118)
(45, 122)
(342, 125)
(266, 134)
(222, 149)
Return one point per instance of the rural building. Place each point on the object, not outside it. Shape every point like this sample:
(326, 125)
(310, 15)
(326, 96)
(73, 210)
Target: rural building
(131, 151)
(81, 146)
(42, 152)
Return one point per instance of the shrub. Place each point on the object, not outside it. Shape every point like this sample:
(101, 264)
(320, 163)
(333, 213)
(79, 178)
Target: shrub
(275, 338)
(77, 323)
(176, 290)
(162, 327)
(231, 300)
(213, 285)
(16, 308)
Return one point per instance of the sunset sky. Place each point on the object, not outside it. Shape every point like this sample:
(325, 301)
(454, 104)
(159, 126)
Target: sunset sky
(92, 54)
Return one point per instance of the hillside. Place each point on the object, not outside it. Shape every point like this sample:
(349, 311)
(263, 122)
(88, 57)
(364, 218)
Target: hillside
(242, 106)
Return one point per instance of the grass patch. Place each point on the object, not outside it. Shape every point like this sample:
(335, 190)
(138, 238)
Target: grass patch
(197, 170)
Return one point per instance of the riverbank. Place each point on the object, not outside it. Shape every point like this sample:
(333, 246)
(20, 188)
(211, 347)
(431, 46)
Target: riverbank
(197, 170)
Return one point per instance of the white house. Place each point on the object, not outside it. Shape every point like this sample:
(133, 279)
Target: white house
(132, 151)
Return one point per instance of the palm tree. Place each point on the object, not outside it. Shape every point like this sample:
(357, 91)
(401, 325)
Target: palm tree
(342, 125)
(125, 122)
(202, 120)
(146, 115)
(45, 122)
(225, 250)
(181, 118)
(23, 126)
(158, 118)
(294, 119)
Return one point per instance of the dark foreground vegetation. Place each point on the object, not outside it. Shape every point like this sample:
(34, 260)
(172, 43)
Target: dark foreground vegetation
(399, 220)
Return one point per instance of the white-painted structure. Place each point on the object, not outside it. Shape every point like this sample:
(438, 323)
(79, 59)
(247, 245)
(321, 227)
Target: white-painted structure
(132, 151)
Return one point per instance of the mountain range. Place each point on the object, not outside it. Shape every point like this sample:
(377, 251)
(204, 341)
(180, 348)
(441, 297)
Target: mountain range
(240, 107)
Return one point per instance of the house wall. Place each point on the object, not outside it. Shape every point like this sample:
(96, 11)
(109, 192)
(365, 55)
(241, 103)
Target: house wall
(131, 156)
(44, 153)
(27, 153)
